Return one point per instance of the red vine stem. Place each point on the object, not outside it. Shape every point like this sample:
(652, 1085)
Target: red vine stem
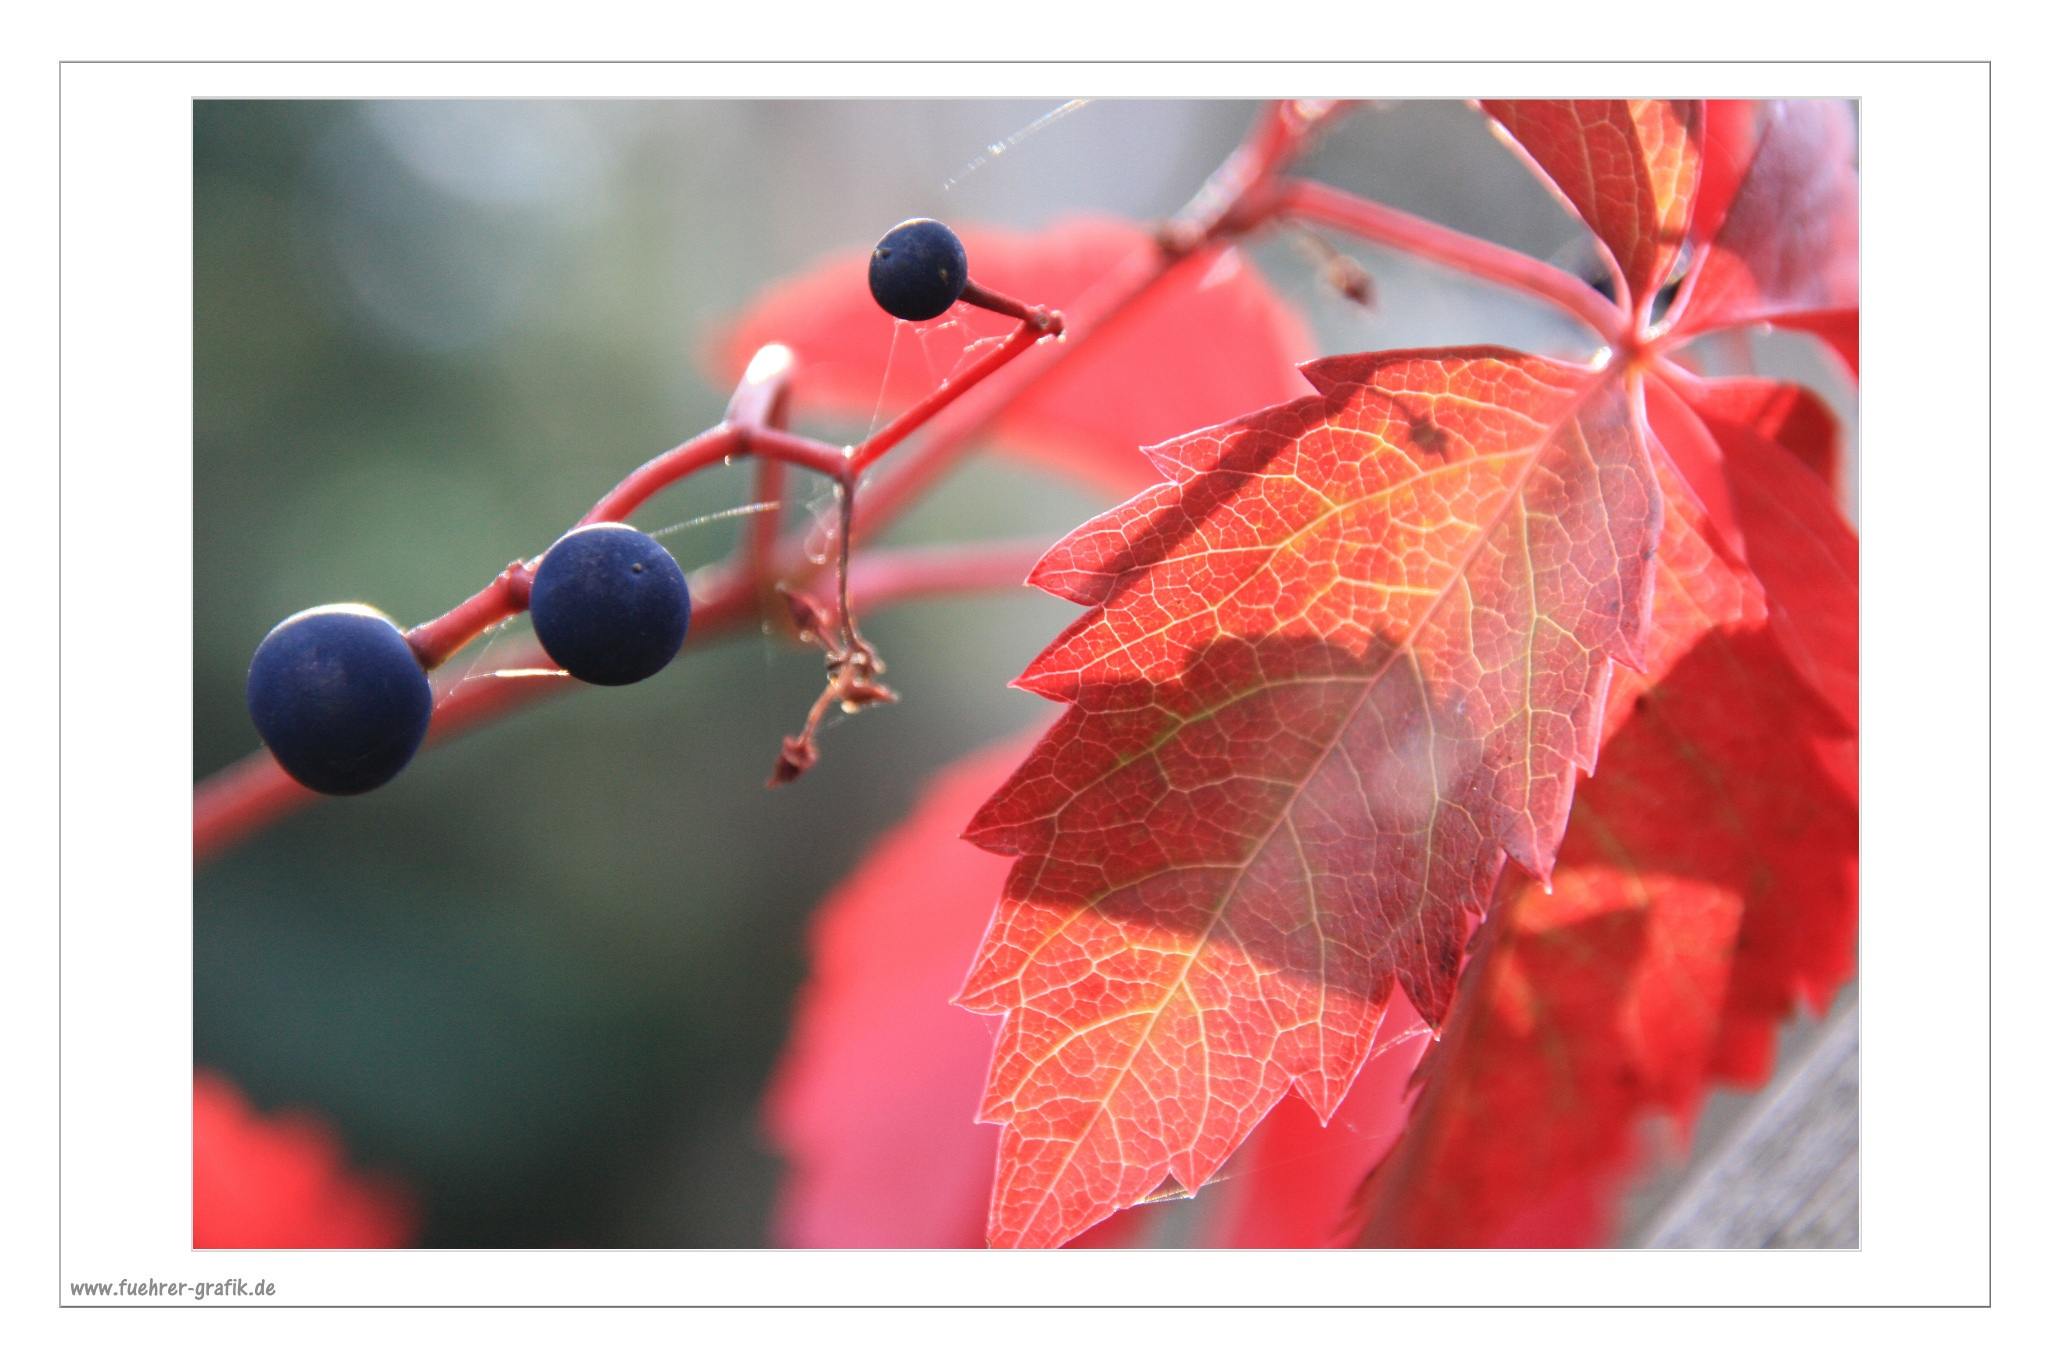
(762, 400)
(757, 407)
(723, 442)
(747, 430)
(948, 392)
(1310, 201)
(995, 301)
(435, 642)
(253, 791)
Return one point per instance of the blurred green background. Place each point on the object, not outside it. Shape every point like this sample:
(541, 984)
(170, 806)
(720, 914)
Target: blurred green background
(544, 977)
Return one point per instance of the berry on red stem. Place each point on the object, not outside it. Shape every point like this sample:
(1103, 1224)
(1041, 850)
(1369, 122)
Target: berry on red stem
(610, 604)
(918, 270)
(339, 698)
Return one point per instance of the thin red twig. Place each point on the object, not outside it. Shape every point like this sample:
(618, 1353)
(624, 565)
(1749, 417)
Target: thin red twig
(435, 642)
(995, 301)
(1310, 201)
(948, 392)
(762, 400)
(723, 442)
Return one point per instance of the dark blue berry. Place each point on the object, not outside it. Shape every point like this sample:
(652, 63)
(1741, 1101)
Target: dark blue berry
(338, 696)
(609, 604)
(918, 270)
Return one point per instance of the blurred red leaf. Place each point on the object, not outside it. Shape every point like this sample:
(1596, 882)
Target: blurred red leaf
(1160, 372)
(1630, 168)
(1716, 844)
(282, 1180)
(1839, 328)
(1793, 417)
(1349, 659)
(1807, 557)
(873, 1102)
(1727, 143)
(1767, 195)
(1787, 251)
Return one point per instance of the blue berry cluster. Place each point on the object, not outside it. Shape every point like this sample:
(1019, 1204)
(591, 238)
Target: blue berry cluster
(342, 701)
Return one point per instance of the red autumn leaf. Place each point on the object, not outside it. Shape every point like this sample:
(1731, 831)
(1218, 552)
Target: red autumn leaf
(282, 1180)
(1787, 251)
(1612, 994)
(1789, 415)
(1346, 662)
(1774, 242)
(1629, 167)
(1807, 562)
(1157, 374)
(1840, 329)
(1727, 143)
(1691, 453)
(1168, 966)
(1805, 556)
(1766, 195)
(1804, 553)
(873, 1103)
